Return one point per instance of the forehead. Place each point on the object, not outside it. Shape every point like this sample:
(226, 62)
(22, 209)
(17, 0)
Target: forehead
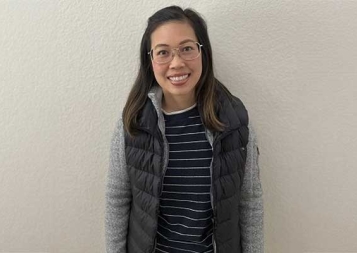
(172, 34)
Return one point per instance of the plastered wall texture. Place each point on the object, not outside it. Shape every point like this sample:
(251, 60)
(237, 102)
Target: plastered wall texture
(66, 68)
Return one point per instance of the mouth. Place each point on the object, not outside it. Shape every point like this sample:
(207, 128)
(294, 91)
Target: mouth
(179, 79)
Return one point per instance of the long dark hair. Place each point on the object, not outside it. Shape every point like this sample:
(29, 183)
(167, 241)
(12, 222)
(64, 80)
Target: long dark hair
(206, 86)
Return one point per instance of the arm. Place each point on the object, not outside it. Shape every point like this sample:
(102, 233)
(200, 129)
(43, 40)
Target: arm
(251, 203)
(118, 195)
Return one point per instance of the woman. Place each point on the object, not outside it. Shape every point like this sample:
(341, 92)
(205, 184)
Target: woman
(184, 173)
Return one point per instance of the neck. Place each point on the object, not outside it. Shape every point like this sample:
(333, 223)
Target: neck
(171, 104)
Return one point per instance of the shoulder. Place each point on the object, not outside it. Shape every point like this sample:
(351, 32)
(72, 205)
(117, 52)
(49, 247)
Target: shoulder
(231, 106)
(252, 134)
(118, 136)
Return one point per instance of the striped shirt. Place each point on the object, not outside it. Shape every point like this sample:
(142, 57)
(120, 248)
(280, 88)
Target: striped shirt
(185, 218)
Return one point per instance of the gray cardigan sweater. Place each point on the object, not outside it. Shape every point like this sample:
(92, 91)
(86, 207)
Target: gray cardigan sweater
(118, 193)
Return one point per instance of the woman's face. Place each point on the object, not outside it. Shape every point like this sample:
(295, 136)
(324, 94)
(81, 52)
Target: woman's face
(177, 78)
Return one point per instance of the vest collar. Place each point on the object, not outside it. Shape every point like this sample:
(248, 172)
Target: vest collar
(151, 115)
(227, 110)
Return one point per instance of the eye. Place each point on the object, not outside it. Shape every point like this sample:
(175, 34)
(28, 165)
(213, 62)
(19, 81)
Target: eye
(162, 52)
(187, 48)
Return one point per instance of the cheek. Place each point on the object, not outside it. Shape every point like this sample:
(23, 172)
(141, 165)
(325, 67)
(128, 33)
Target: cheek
(198, 67)
(158, 69)
(197, 64)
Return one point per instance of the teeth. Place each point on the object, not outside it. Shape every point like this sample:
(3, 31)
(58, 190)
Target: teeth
(178, 78)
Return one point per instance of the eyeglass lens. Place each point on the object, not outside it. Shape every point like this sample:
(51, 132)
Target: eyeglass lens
(187, 51)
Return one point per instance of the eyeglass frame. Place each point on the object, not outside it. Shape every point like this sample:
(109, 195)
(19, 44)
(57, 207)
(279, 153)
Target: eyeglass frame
(173, 54)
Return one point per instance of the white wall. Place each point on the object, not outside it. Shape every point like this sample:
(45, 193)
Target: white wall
(66, 68)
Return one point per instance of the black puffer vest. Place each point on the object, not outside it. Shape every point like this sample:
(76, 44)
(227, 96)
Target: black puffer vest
(145, 163)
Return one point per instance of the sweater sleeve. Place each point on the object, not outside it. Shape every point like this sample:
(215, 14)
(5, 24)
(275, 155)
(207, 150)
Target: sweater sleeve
(251, 203)
(118, 195)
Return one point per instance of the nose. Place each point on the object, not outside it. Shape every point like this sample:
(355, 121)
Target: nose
(177, 61)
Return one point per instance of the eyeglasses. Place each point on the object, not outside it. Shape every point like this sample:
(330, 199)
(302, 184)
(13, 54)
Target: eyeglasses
(164, 54)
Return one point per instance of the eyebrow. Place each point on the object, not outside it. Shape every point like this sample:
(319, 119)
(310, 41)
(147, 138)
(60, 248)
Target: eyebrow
(182, 42)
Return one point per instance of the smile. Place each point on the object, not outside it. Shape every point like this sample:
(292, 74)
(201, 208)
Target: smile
(178, 78)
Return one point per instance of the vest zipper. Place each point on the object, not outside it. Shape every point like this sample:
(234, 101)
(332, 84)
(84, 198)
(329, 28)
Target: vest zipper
(211, 197)
(153, 250)
(213, 209)
(219, 137)
(165, 163)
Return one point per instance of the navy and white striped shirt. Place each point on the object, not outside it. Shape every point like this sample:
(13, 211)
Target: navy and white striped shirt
(185, 219)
